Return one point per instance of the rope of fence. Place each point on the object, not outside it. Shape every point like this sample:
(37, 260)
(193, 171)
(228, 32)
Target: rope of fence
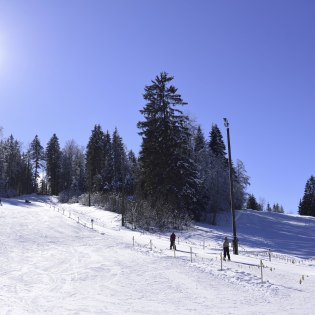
(151, 247)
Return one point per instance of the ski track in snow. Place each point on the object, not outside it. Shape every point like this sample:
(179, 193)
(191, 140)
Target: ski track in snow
(50, 264)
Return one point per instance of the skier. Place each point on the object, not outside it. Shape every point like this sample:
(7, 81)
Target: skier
(0, 203)
(172, 239)
(226, 250)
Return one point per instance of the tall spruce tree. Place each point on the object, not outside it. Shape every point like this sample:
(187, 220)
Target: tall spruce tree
(252, 202)
(132, 174)
(53, 164)
(72, 171)
(168, 173)
(37, 154)
(2, 168)
(200, 141)
(119, 162)
(108, 170)
(201, 157)
(216, 143)
(15, 169)
(12, 165)
(218, 184)
(307, 204)
(95, 160)
(218, 175)
(26, 181)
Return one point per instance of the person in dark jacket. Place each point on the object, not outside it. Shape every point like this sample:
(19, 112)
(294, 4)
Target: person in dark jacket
(172, 239)
(226, 251)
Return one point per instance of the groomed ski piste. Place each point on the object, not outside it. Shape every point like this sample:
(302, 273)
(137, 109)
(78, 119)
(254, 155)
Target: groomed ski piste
(71, 259)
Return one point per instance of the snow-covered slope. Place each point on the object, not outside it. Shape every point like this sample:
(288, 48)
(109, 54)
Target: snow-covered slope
(287, 234)
(51, 264)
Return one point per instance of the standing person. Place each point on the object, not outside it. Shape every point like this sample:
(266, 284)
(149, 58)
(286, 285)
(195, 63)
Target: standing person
(172, 239)
(226, 250)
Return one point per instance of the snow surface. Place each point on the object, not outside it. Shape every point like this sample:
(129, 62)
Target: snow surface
(53, 264)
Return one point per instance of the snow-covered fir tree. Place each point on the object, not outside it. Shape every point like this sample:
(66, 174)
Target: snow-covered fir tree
(216, 143)
(37, 156)
(53, 164)
(119, 162)
(132, 173)
(108, 170)
(201, 157)
(72, 171)
(95, 160)
(200, 141)
(12, 162)
(252, 203)
(167, 170)
(307, 204)
(26, 182)
(218, 175)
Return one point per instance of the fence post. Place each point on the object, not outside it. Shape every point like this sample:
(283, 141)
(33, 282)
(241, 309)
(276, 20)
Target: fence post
(261, 270)
(269, 255)
(190, 254)
(92, 221)
(178, 240)
(174, 251)
(221, 260)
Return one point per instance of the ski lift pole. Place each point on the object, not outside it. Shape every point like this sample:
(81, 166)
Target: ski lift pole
(235, 241)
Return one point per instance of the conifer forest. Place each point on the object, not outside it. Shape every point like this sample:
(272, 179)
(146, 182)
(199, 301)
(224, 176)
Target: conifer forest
(180, 174)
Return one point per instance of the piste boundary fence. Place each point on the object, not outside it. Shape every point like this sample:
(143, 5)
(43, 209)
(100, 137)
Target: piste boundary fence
(264, 257)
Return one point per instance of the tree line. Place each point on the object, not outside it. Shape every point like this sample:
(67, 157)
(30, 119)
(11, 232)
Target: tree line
(307, 203)
(178, 176)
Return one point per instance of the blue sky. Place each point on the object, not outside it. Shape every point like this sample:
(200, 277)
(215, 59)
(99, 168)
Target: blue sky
(68, 65)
